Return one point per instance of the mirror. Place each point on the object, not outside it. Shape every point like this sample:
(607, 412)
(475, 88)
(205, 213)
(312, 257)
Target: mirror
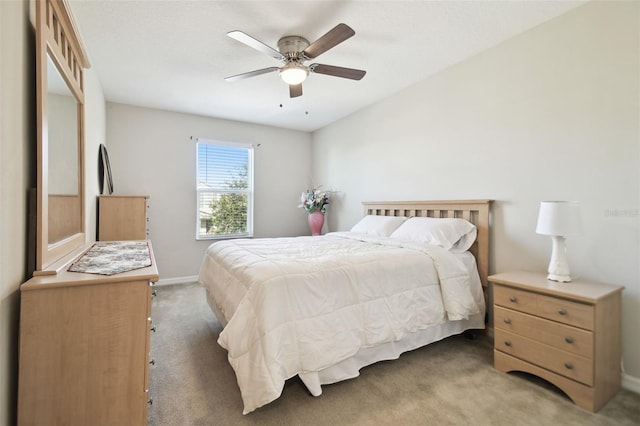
(60, 63)
(62, 137)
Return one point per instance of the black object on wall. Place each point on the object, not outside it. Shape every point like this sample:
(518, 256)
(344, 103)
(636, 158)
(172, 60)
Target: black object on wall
(104, 171)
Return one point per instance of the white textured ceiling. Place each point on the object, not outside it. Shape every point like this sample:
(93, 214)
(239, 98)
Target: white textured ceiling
(174, 54)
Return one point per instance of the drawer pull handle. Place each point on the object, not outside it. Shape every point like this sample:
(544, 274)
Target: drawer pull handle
(150, 401)
(568, 339)
(507, 343)
(513, 299)
(153, 328)
(152, 361)
(568, 366)
(507, 321)
(562, 312)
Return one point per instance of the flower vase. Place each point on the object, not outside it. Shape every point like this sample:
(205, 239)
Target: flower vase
(316, 220)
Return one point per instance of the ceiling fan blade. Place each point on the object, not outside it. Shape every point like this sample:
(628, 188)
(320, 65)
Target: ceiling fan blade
(337, 35)
(256, 44)
(251, 74)
(295, 90)
(332, 70)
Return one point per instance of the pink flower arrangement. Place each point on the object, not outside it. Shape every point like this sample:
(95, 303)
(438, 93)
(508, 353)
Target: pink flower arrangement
(314, 200)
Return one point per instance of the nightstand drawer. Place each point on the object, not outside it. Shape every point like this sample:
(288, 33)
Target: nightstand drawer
(567, 364)
(565, 337)
(556, 309)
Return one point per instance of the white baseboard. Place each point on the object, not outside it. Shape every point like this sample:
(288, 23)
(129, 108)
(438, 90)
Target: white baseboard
(631, 383)
(178, 280)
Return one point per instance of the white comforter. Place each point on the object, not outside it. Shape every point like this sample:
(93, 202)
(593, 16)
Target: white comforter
(298, 305)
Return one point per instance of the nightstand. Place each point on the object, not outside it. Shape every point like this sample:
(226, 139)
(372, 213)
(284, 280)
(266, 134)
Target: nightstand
(566, 333)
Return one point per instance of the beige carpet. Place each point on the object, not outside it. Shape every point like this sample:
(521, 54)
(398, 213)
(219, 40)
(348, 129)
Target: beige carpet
(451, 382)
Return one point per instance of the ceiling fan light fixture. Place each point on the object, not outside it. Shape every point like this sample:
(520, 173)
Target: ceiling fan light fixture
(293, 73)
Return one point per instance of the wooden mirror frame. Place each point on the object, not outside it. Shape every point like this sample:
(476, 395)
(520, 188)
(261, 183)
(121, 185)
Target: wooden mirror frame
(57, 38)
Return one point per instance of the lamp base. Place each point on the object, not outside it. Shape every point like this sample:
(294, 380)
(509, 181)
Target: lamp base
(559, 278)
(558, 267)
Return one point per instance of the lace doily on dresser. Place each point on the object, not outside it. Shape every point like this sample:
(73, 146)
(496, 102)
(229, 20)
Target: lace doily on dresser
(113, 257)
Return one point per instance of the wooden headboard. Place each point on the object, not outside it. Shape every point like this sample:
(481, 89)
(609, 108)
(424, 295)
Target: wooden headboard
(475, 211)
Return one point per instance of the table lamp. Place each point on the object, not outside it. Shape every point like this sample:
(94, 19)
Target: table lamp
(559, 219)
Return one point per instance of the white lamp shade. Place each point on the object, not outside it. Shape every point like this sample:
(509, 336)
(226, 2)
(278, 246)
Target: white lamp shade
(293, 73)
(561, 218)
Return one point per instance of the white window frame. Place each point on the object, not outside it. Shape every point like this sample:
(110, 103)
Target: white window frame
(249, 190)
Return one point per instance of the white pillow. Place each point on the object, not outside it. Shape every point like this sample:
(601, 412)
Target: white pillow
(380, 226)
(455, 235)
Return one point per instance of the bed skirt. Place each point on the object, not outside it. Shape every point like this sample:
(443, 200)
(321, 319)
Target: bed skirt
(350, 367)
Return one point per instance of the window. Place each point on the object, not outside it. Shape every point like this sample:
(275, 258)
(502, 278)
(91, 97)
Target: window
(225, 190)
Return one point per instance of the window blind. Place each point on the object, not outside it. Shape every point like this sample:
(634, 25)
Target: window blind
(225, 190)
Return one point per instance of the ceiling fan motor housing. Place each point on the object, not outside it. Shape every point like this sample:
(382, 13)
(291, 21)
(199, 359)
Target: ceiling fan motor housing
(292, 46)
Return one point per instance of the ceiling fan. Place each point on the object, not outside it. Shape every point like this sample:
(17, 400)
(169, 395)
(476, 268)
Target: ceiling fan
(293, 51)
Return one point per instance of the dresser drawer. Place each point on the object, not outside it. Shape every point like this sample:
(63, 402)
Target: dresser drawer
(567, 312)
(561, 336)
(567, 364)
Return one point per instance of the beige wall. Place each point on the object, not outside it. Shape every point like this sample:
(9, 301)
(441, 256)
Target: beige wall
(17, 143)
(17, 175)
(95, 134)
(550, 114)
(152, 154)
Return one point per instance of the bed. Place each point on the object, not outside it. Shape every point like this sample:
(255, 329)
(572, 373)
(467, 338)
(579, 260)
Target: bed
(324, 307)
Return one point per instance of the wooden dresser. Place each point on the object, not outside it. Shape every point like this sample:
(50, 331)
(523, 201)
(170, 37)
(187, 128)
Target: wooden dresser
(84, 348)
(567, 333)
(122, 217)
